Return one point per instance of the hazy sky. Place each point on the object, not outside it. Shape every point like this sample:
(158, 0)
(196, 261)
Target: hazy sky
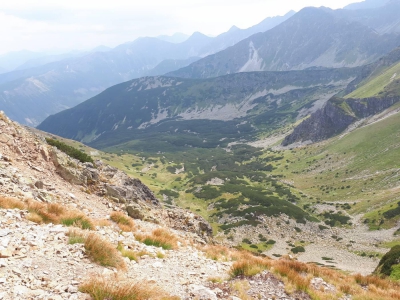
(82, 24)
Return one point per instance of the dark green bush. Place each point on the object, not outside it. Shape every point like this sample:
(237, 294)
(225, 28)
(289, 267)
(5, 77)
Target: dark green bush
(298, 249)
(169, 193)
(389, 260)
(392, 212)
(69, 150)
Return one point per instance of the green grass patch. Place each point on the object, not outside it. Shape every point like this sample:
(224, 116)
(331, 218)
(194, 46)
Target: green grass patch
(69, 150)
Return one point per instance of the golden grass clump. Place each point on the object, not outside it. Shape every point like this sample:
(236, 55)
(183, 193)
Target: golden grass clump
(11, 203)
(101, 222)
(48, 213)
(57, 214)
(240, 289)
(132, 255)
(217, 252)
(160, 237)
(100, 288)
(124, 222)
(76, 237)
(248, 265)
(103, 252)
(34, 217)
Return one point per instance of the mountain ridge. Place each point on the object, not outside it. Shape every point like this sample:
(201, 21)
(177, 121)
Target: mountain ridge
(285, 48)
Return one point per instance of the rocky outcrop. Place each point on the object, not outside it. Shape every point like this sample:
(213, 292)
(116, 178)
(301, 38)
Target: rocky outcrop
(104, 179)
(335, 117)
(184, 220)
(67, 167)
(124, 188)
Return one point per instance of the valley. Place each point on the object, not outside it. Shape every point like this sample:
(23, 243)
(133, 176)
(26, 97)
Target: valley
(347, 218)
(259, 163)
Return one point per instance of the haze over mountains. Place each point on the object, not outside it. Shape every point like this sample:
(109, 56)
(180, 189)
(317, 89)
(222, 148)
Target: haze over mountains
(314, 37)
(30, 95)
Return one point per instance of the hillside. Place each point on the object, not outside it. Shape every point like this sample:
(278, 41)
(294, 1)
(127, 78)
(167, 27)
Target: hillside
(164, 113)
(374, 91)
(314, 37)
(74, 233)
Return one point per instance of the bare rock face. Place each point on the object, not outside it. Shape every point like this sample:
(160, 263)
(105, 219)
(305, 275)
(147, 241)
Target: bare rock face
(125, 188)
(67, 167)
(184, 220)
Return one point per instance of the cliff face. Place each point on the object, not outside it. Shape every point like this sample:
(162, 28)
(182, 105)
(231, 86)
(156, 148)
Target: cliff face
(335, 117)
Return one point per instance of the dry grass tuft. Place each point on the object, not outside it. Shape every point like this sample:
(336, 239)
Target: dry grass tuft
(159, 238)
(248, 265)
(217, 252)
(240, 289)
(103, 252)
(102, 223)
(11, 203)
(374, 280)
(297, 276)
(100, 288)
(76, 237)
(57, 214)
(132, 255)
(76, 219)
(48, 213)
(34, 217)
(124, 222)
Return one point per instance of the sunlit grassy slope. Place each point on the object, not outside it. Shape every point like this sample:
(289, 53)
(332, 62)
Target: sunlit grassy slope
(362, 167)
(380, 84)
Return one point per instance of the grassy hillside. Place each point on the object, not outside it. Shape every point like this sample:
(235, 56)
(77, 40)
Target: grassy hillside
(384, 83)
(360, 168)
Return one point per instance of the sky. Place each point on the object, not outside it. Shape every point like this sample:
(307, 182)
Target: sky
(59, 25)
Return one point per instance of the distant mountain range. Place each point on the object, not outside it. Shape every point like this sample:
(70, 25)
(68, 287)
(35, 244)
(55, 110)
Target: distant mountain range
(176, 38)
(30, 95)
(12, 60)
(384, 18)
(314, 37)
(367, 4)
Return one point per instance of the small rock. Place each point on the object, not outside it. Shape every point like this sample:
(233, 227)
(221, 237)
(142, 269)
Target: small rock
(39, 184)
(5, 253)
(4, 232)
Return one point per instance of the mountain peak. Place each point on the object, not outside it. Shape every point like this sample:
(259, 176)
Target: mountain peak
(233, 28)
